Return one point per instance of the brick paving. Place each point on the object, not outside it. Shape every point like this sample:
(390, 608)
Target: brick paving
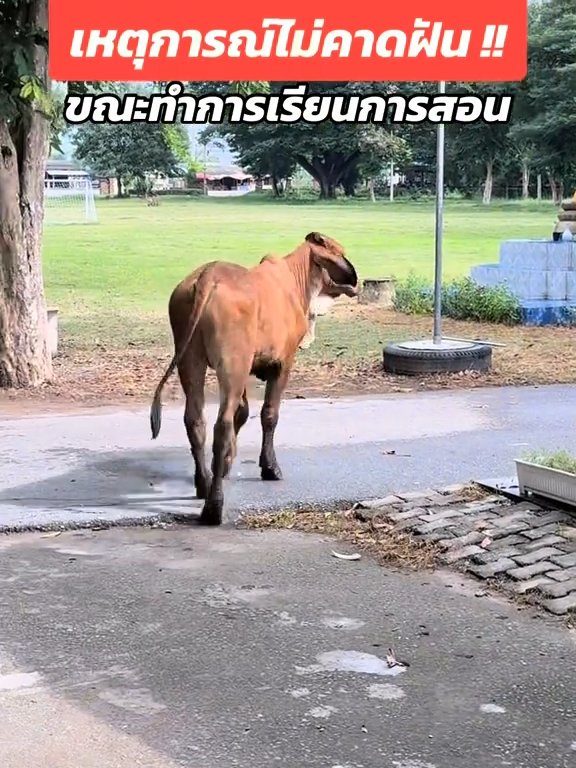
(525, 548)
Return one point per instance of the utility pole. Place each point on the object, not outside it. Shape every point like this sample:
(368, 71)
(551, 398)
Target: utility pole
(437, 339)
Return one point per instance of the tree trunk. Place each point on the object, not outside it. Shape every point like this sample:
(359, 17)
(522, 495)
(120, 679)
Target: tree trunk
(488, 183)
(328, 172)
(327, 185)
(119, 185)
(25, 359)
(555, 188)
(349, 188)
(371, 190)
(525, 180)
(275, 187)
(539, 187)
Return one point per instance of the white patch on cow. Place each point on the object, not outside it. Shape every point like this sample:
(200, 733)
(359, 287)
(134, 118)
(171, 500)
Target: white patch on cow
(492, 709)
(321, 305)
(385, 692)
(322, 712)
(350, 661)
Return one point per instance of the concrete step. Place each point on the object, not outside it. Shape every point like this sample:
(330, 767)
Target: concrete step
(537, 254)
(529, 284)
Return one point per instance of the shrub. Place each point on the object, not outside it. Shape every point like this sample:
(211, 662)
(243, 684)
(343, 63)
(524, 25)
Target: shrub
(414, 296)
(561, 460)
(462, 299)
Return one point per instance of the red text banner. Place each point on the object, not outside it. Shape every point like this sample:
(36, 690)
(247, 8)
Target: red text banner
(413, 40)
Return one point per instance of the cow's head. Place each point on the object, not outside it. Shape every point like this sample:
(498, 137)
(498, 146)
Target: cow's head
(332, 275)
(337, 275)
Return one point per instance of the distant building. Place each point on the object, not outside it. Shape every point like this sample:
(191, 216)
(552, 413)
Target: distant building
(228, 181)
(65, 174)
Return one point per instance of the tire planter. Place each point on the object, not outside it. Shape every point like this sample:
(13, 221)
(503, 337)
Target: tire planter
(414, 359)
(553, 484)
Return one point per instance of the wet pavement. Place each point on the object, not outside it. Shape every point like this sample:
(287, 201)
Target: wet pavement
(77, 469)
(220, 648)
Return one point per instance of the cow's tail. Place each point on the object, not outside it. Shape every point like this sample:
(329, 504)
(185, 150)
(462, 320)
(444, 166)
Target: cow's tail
(198, 307)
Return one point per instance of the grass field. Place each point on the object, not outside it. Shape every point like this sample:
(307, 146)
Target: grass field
(111, 282)
(127, 264)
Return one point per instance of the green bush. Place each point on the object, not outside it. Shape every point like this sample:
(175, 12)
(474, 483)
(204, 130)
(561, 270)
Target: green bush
(414, 296)
(462, 299)
(561, 460)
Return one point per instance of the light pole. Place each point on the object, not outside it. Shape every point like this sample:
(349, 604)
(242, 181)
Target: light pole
(437, 355)
(437, 337)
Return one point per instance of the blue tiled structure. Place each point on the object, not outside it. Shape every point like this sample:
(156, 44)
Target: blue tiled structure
(541, 274)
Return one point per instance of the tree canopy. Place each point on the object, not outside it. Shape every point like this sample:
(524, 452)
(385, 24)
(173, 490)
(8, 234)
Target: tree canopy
(132, 150)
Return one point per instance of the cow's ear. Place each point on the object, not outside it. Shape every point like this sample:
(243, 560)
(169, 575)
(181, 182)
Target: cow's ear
(316, 239)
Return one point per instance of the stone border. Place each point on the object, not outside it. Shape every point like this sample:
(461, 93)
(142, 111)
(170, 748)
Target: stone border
(528, 550)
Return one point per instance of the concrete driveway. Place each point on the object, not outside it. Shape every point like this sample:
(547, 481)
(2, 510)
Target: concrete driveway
(103, 465)
(221, 648)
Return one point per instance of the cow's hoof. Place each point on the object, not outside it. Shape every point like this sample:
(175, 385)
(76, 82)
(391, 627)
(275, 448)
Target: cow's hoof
(271, 473)
(212, 513)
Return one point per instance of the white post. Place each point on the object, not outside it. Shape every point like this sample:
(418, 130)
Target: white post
(439, 227)
(392, 181)
(90, 204)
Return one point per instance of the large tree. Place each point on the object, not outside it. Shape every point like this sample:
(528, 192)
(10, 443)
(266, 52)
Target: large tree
(328, 151)
(547, 120)
(25, 116)
(129, 151)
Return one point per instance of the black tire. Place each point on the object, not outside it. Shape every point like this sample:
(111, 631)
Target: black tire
(411, 362)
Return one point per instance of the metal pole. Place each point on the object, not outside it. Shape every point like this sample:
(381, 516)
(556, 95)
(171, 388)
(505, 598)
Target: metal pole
(439, 228)
(205, 184)
(392, 181)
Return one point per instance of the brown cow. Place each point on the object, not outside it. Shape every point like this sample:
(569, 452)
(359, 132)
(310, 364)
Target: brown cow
(242, 322)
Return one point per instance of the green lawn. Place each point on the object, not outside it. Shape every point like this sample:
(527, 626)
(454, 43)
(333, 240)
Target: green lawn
(126, 265)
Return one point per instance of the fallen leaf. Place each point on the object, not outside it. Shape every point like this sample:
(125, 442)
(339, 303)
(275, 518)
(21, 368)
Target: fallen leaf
(392, 661)
(340, 556)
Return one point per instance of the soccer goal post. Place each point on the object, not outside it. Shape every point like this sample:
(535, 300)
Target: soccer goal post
(69, 201)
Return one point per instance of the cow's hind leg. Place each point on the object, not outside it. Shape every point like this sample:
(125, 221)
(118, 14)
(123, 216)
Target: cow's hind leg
(231, 416)
(242, 413)
(275, 385)
(192, 372)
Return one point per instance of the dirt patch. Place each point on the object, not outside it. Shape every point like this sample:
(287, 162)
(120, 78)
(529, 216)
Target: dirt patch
(373, 536)
(346, 359)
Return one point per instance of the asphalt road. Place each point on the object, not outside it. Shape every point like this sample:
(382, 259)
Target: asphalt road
(229, 649)
(76, 469)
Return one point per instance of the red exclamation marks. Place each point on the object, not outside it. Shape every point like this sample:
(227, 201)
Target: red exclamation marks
(494, 40)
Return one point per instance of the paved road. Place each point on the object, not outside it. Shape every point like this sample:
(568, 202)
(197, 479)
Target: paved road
(197, 648)
(103, 465)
